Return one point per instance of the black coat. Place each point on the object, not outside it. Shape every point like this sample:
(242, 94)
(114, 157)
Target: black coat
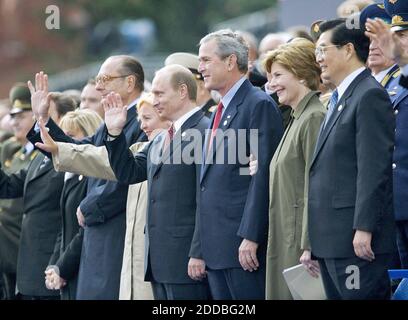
(41, 189)
(104, 209)
(67, 251)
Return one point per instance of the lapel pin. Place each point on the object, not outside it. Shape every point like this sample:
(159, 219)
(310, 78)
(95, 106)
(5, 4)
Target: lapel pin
(340, 107)
(229, 116)
(80, 177)
(225, 122)
(183, 134)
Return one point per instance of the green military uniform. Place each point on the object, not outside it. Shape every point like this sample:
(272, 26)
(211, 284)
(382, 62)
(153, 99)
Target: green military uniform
(13, 158)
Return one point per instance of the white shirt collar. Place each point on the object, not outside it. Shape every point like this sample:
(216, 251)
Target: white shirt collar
(29, 147)
(404, 70)
(381, 75)
(133, 103)
(180, 121)
(347, 81)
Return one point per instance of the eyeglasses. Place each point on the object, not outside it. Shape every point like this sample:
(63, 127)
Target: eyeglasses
(321, 51)
(105, 78)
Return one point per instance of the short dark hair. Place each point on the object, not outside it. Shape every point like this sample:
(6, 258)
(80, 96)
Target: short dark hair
(63, 103)
(130, 65)
(342, 34)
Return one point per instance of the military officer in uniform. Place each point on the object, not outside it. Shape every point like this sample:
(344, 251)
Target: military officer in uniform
(399, 97)
(15, 155)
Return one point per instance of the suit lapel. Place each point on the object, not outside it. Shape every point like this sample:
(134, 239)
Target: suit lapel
(38, 172)
(178, 141)
(225, 123)
(340, 107)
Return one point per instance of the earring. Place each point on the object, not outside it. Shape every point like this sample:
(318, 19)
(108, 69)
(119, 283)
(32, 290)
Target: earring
(302, 82)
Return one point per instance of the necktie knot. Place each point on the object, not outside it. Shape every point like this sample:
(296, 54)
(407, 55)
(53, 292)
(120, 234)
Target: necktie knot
(171, 132)
(334, 99)
(332, 104)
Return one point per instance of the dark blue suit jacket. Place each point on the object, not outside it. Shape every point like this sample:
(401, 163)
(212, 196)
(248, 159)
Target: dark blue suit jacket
(350, 185)
(170, 236)
(234, 206)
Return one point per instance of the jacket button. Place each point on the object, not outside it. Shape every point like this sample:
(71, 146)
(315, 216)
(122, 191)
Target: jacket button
(152, 201)
(202, 189)
(396, 112)
(394, 165)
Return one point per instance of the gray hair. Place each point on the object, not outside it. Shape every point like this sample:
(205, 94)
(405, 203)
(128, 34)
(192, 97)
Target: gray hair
(229, 42)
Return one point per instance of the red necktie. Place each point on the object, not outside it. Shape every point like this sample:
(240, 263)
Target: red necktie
(216, 123)
(169, 137)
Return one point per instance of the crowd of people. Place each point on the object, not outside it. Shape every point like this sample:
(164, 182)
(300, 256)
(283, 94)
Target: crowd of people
(238, 163)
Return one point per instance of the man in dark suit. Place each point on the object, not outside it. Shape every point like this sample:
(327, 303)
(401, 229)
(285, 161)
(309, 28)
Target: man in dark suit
(102, 211)
(40, 186)
(173, 260)
(351, 222)
(234, 206)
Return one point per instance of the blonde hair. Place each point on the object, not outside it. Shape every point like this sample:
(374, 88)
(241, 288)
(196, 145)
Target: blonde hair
(87, 121)
(298, 57)
(145, 98)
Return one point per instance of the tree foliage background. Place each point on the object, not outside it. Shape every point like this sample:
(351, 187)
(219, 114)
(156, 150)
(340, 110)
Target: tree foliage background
(180, 23)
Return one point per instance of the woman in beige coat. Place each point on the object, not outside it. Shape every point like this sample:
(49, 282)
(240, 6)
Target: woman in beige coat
(294, 75)
(93, 161)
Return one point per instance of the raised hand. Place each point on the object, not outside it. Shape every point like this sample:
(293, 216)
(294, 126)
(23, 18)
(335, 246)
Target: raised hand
(40, 97)
(48, 143)
(387, 40)
(115, 113)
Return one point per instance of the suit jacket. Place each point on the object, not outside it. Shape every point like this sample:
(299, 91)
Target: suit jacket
(234, 205)
(172, 199)
(40, 187)
(104, 210)
(350, 181)
(399, 99)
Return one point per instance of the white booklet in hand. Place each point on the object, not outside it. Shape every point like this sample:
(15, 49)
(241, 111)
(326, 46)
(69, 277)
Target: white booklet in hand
(302, 285)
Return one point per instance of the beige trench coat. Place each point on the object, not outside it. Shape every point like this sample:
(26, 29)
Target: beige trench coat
(287, 237)
(93, 161)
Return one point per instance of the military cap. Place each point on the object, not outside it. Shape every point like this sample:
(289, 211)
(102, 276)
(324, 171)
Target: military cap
(375, 10)
(315, 29)
(398, 10)
(187, 60)
(20, 98)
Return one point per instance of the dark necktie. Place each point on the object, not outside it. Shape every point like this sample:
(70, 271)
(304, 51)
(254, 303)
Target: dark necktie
(332, 106)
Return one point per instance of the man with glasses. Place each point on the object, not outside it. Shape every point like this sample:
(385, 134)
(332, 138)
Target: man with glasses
(102, 212)
(351, 223)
